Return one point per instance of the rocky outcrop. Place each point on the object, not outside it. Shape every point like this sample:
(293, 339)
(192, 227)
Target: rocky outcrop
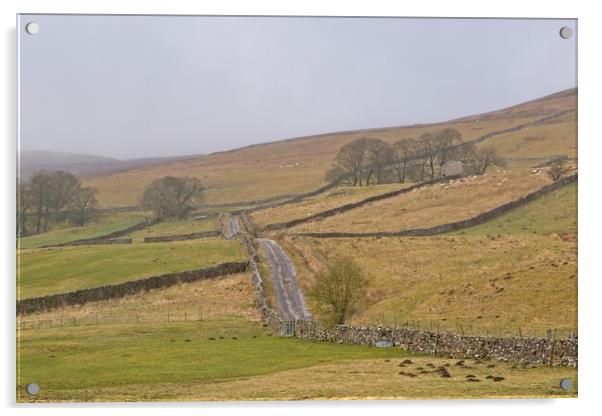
(120, 290)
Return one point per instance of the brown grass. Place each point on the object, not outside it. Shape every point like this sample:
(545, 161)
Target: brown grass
(201, 299)
(478, 284)
(331, 199)
(435, 204)
(556, 137)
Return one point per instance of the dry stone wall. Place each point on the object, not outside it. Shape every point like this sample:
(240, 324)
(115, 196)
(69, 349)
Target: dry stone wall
(535, 351)
(347, 207)
(181, 237)
(120, 290)
(110, 238)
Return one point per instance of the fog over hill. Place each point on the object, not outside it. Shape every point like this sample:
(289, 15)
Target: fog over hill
(82, 164)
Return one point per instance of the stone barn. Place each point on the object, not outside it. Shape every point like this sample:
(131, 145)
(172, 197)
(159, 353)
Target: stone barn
(452, 168)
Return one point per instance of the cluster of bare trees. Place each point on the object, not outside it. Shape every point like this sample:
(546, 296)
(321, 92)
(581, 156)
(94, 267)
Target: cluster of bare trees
(173, 197)
(369, 161)
(52, 196)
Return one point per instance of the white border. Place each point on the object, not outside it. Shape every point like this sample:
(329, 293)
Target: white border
(590, 151)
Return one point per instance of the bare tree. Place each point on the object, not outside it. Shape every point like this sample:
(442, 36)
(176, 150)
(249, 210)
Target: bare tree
(84, 202)
(482, 159)
(463, 152)
(351, 159)
(24, 206)
(173, 197)
(429, 150)
(378, 158)
(337, 173)
(444, 142)
(340, 290)
(39, 187)
(62, 188)
(403, 151)
(557, 170)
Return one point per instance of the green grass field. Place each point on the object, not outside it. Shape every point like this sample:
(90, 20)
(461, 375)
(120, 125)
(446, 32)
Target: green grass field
(69, 363)
(554, 213)
(186, 226)
(179, 361)
(55, 270)
(106, 223)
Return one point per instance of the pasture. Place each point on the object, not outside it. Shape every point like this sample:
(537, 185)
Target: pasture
(104, 223)
(434, 204)
(56, 270)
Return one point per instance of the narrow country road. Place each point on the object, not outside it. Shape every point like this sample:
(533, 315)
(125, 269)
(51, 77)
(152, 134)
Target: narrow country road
(232, 227)
(284, 281)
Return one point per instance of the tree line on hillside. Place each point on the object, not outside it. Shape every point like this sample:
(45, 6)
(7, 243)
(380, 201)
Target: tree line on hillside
(48, 197)
(367, 161)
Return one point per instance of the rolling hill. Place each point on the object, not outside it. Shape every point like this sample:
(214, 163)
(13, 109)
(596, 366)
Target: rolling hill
(82, 164)
(297, 165)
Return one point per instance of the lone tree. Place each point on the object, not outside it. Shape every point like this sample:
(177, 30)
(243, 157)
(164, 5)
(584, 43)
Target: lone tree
(340, 289)
(173, 197)
(557, 169)
(84, 203)
(482, 159)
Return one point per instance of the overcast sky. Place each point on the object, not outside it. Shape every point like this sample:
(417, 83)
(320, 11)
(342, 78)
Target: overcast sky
(141, 86)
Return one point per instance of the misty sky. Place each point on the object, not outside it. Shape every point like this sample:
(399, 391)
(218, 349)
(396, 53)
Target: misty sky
(130, 87)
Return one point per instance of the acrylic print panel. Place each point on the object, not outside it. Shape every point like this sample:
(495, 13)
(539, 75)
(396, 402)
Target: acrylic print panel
(284, 208)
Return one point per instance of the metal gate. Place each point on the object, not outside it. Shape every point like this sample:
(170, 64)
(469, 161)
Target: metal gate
(288, 328)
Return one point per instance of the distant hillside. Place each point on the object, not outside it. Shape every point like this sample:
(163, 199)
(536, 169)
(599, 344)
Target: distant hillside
(82, 164)
(299, 164)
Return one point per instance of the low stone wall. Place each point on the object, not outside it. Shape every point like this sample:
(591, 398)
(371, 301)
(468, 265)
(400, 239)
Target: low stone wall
(181, 237)
(119, 290)
(535, 351)
(270, 316)
(454, 226)
(93, 242)
(348, 207)
(107, 238)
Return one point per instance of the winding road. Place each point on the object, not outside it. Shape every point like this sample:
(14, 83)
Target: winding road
(284, 281)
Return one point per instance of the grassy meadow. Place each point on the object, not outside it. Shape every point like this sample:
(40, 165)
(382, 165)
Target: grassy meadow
(331, 199)
(228, 355)
(56, 270)
(513, 274)
(105, 223)
(554, 213)
(174, 227)
(153, 357)
(435, 204)
(554, 137)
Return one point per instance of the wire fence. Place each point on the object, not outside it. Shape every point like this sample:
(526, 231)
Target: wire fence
(104, 318)
(58, 320)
